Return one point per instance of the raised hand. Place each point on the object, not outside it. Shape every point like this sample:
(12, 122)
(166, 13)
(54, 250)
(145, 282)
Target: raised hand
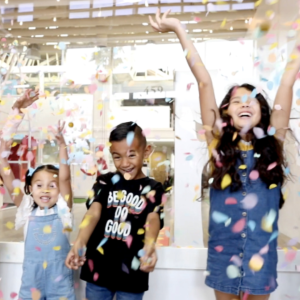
(164, 24)
(149, 260)
(59, 133)
(27, 99)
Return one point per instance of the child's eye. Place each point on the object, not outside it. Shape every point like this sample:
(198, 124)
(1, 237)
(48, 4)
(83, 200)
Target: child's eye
(116, 157)
(132, 155)
(39, 185)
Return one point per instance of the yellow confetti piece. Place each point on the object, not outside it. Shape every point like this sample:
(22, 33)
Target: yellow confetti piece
(85, 222)
(285, 195)
(107, 144)
(120, 195)
(243, 167)
(61, 111)
(272, 186)
(67, 197)
(47, 229)
(91, 194)
(269, 13)
(100, 249)
(14, 144)
(57, 248)
(226, 181)
(169, 188)
(16, 191)
(141, 231)
(204, 1)
(265, 225)
(223, 23)
(293, 56)
(45, 264)
(273, 46)
(234, 136)
(10, 225)
(2, 102)
(256, 263)
(99, 106)
(257, 3)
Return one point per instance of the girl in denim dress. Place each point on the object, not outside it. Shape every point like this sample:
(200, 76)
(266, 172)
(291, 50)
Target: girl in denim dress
(44, 211)
(246, 172)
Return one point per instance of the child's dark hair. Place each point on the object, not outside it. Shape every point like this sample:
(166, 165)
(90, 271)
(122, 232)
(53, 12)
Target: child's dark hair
(120, 133)
(29, 176)
(269, 148)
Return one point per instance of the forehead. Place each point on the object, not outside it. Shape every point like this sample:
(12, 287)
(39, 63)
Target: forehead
(240, 92)
(122, 147)
(44, 176)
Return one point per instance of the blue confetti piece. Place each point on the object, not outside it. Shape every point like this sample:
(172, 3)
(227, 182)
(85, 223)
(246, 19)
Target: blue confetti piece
(81, 251)
(273, 236)
(141, 253)
(287, 170)
(244, 98)
(45, 210)
(31, 171)
(251, 225)
(189, 157)
(272, 131)
(270, 85)
(102, 242)
(62, 46)
(91, 140)
(298, 93)
(299, 194)
(115, 179)
(130, 137)
(19, 136)
(253, 94)
(264, 79)
(63, 161)
(219, 217)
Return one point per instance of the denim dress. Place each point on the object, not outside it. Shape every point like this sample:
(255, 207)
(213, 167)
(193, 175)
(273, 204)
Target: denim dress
(243, 230)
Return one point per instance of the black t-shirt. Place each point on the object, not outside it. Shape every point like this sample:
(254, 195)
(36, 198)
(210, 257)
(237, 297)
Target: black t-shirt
(120, 232)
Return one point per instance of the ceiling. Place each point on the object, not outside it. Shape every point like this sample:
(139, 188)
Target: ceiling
(47, 25)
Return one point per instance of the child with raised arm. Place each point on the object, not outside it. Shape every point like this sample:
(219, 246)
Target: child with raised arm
(245, 174)
(122, 224)
(44, 211)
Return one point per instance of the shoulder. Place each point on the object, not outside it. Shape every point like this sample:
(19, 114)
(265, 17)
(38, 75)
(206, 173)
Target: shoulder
(105, 178)
(155, 185)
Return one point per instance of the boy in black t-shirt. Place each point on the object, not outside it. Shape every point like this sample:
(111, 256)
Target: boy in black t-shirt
(122, 223)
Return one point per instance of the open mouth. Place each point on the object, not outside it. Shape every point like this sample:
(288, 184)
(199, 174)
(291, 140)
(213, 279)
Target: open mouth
(128, 170)
(245, 115)
(45, 199)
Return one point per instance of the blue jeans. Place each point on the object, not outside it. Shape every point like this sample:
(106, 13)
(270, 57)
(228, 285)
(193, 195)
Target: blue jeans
(95, 292)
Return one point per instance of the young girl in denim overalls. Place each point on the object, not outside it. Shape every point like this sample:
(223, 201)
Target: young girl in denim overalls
(44, 211)
(245, 138)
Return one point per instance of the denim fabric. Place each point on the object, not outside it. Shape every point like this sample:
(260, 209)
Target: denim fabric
(43, 267)
(95, 292)
(238, 246)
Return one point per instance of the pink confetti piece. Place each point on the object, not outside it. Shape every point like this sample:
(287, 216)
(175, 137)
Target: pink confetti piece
(13, 295)
(96, 276)
(129, 241)
(236, 260)
(93, 88)
(1, 295)
(189, 86)
(2, 190)
(29, 156)
(277, 107)
(164, 199)
(290, 255)
(264, 250)
(219, 248)
(230, 201)
(197, 19)
(146, 132)
(38, 248)
(250, 201)
(239, 225)
(254, 175)
(272, 166)
(245, 296)
(91, 265)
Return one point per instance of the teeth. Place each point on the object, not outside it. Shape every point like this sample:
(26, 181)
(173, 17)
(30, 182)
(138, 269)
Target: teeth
(245, 115)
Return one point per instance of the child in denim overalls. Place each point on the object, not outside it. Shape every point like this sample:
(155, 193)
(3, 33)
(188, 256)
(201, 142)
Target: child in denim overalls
(45, 212)
(245, 139)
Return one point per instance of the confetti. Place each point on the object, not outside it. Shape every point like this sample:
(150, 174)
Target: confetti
(189, 86)
(290, 255)
(45, 264)
(125, 269)
(230, 201)
(223, 23)
(254, 175)
(272, 186)
(128, 241)
(91, 265)
(228, 222)
(256, 263)
(100, 250)
(258, 132)
(251, 224)
(226, 181)
(234, 136)
(264, 250)
(271, 131)
(244, 98)
(71, 124)
(273, 236)
(141, 253)
(250, 201)
(232, 272)
(146, 189)
(219, 217)
(103, 241)
(10, 225)
(13, 295)
(243, 167)
(130, 138)
(239, 226)
(272, 166)
(236, 260)
(268, 220)
(219, 248)
(47, 229)
(57, 248)
(277, 107)
(135, 264)
(140, 231)
(35, 294)
(115, 179)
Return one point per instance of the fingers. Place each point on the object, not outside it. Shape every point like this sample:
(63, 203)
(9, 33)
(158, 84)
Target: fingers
(157, 17)
(153, 24)
(165, 15)
(69, 260)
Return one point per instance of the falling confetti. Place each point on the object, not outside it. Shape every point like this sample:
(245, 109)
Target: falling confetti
(236, 260)
(226, 181)
(230, 201)
(254, 175)
(256, 263)
(47, 229)
(135, 264)
(45, 264)
(239, 226)
(130, 138)
(100, 250)
(219, 217)
(219, 248)
(232, 272)
(258, 132)
(91, 265)
(272, 166)
(115, 179)
(10, 225)
(250, 201)
(251, 224)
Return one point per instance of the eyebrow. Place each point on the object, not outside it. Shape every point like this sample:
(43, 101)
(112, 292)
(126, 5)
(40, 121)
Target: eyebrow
(120, 154)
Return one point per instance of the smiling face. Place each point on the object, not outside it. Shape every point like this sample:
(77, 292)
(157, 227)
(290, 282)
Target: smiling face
(129, 159)
(44, 188)
(245, 114)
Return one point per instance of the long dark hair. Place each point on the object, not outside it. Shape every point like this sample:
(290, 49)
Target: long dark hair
(30, 174)
(269, 149)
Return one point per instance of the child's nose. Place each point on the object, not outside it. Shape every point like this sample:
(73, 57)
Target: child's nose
(125, 162)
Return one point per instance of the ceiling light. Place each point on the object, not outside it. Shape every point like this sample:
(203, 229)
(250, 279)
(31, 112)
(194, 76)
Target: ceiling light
(250, 20)
(39, 35)
(9, 28)
(184, 22)
(6, 1)
(211, 31)
(186, 30)
(147, 32)
(192, 22)
(31, 28)
(145, 24)
(53, 27)
(231, 28)
(64, 35)
(21, 23)
(197, 30)
(52, 43)
(54, 19)
(246, 21)
(19, 36)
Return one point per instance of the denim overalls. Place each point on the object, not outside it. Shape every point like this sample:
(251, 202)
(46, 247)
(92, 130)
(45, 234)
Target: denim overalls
(46, 248)
(239, 231)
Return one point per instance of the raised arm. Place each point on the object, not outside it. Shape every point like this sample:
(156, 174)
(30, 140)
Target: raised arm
(64, 176)
(208, 105)
(284, 97)
(7, 175)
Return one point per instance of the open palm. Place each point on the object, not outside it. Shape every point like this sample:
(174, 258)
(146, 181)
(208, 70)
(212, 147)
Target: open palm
(164, 24)
(27, 98)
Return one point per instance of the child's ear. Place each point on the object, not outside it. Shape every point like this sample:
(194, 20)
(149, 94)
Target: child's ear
(148, 151)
